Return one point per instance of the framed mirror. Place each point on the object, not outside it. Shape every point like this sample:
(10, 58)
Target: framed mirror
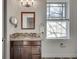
(28, 20)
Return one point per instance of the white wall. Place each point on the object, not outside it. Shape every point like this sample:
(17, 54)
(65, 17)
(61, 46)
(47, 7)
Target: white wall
(50, 48)
(14, 9)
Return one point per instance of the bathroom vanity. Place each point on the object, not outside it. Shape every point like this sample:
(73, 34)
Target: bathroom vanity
(25, 49)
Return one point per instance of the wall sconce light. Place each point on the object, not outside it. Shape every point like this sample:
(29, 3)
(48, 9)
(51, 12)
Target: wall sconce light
(13, 21)
(27, 3)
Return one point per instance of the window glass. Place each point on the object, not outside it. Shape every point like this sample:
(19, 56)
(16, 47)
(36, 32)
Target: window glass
(56, 29)
(57, 26)
(56, 11)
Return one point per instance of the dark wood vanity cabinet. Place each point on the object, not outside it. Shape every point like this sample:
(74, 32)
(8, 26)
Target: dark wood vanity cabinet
(25, 50)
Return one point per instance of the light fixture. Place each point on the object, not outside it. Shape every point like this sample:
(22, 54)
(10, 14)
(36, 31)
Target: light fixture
(13, 21)
(27, 3)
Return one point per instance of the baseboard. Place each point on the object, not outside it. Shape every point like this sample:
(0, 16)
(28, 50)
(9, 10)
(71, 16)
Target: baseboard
(59, 58)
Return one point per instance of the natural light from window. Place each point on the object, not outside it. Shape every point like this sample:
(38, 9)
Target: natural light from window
(57, 26)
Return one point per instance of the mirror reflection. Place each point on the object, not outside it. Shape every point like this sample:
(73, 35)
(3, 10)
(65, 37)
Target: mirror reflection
(28, 20)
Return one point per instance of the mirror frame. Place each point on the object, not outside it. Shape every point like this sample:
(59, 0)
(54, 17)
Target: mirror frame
(22, 19)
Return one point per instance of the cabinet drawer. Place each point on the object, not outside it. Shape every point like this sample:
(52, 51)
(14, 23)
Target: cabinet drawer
(16, 43)
(36, 49)
(36, 57)
(20, 43)
(26, 43)
(36, 43)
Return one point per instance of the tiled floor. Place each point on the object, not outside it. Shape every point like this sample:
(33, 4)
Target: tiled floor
(61, 58)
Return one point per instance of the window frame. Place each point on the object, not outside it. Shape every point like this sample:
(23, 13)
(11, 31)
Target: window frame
(57, 6)
(59, 19)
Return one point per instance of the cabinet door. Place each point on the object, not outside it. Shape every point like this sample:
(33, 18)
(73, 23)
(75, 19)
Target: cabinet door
(17, 54)
(26, 52)
(36, 50)
(36, 57)
(11, 52)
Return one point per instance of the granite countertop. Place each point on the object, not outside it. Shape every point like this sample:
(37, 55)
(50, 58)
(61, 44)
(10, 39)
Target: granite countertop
(25, 36)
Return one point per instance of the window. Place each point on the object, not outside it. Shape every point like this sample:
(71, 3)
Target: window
(56, 10)
(57, 24)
